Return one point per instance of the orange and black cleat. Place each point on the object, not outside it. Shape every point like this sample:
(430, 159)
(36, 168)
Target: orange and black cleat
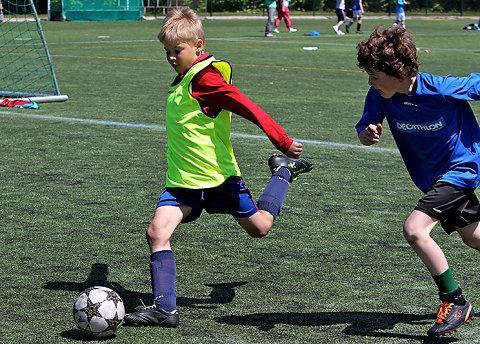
(449, 318)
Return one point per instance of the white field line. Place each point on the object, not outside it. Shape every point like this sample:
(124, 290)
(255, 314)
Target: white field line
(162, 128)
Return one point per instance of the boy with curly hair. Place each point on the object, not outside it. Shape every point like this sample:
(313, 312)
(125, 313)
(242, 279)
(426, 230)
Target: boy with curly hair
(438, 137)
(202, 172)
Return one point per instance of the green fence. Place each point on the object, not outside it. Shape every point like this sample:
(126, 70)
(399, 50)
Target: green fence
(97, 10)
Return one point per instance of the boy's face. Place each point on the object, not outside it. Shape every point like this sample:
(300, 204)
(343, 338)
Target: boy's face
(182, 55)
(385, 84)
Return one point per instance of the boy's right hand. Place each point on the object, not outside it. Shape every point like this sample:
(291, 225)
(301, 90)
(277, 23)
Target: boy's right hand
(370, 134)
(295, 150)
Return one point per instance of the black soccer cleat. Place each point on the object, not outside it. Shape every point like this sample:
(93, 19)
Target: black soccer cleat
(295, 166)
(449, 318)
(152, 316)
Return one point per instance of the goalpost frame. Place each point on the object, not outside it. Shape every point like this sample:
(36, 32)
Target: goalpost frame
(52, 98)
(40, 95)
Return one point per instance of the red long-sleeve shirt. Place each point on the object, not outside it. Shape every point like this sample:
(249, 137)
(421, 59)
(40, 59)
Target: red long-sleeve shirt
(214, 94)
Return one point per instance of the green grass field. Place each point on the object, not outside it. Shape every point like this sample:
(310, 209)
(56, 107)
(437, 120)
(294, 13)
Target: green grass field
(78, 192)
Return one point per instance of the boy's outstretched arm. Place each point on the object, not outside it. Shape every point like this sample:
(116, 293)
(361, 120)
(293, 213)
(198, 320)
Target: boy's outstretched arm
(214, 93)
(371, 134)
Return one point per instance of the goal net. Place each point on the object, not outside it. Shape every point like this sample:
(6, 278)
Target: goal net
(26, 69)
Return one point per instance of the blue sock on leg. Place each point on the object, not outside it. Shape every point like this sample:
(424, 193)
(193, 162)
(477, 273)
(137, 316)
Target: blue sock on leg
(275, 192)
(163, 273)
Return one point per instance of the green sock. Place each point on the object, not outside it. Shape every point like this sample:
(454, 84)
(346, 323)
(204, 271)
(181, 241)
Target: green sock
(445, 282)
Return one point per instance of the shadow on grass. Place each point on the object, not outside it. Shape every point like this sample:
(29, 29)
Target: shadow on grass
(358, 323)
(222, 293)
(77, 335)
(98, 276)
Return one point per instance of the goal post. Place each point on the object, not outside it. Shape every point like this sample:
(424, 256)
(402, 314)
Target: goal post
(26, 68)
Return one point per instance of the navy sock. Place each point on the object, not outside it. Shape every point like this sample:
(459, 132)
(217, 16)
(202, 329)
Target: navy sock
(164, 272)
(274, 194)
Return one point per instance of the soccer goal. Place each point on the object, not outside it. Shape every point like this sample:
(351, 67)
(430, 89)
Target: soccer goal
(26, 69)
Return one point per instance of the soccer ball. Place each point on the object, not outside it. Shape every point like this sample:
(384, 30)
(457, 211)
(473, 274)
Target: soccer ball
(98, 312)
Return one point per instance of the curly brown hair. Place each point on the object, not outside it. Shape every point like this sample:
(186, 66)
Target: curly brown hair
(392, 52)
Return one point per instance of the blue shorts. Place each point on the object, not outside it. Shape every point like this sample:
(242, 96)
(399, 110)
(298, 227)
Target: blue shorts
(232, 197)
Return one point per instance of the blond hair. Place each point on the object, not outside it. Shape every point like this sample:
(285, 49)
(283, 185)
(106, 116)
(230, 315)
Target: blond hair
(181, 25)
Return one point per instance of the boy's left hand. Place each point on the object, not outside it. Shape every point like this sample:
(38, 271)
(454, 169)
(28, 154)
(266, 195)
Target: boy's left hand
(295, 150)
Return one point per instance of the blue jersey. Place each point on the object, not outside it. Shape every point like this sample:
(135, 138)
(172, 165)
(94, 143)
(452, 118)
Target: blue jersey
(435, 129)
(399, 8)
(356, 5)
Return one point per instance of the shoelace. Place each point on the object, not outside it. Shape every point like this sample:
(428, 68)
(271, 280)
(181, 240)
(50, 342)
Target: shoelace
(443, 311)
(146, 307)
(153, 306)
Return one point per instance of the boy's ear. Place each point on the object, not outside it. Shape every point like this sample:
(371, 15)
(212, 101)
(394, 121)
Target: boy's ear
(199, 46)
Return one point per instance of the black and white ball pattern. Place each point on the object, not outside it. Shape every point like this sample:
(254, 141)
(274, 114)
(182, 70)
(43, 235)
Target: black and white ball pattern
(98, 312)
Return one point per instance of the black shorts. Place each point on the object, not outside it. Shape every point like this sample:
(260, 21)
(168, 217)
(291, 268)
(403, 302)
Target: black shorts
(340, 14)
(452, 205)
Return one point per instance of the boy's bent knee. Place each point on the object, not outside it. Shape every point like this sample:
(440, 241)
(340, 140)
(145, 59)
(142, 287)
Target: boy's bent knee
(472, 242)
(156, 235)
(411, 233)
(257, 225)
(257, 233)
(151, 234)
